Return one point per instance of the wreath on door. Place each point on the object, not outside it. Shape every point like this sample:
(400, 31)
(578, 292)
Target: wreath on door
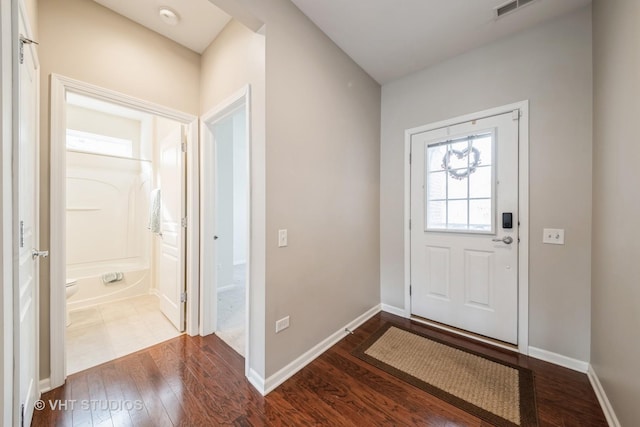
(472, 163)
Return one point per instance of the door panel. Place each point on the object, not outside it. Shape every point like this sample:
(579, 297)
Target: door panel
(28, 240)
(462, 179)
(171, 267)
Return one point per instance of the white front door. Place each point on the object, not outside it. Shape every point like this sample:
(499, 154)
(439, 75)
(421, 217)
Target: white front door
(27, 350)
(464, 226)
(171, 265)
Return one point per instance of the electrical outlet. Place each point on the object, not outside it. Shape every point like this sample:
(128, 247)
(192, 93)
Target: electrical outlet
(553, 236)
(282, 324)
(282, 238)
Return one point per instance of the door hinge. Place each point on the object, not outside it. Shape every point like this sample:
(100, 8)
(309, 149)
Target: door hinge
(409, 224)
(21, 239)
(22, 414)
(410, 156)
(183, 147)
(23, 41)
(183, 297)
(183, 222)
(409, 290)
(515, 114)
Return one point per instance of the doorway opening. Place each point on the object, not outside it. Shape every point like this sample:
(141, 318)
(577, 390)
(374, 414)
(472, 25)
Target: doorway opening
(121, 266)
(226, 221)
(466, 240)
(125, 246)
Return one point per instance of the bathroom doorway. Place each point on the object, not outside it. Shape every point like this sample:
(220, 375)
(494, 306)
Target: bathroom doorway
(122, 172)
(226, 225)
(124, 243)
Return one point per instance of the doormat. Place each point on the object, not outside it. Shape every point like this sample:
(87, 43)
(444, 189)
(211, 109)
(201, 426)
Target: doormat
(497, 392)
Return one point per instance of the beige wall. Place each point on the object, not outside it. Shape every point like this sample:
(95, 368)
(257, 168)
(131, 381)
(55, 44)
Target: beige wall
(615, 322)
(323, 133)
(234, 59)
(82, 40)
(551, 67)
(322, 180)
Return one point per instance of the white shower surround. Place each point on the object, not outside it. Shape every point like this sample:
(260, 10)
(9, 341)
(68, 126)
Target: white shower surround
(107, 217)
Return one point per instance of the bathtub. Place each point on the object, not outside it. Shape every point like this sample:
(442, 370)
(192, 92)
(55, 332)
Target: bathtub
(92, 291)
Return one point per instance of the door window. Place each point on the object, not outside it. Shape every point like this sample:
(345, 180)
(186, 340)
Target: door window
(460, 182)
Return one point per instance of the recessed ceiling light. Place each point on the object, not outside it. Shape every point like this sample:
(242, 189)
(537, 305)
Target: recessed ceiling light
(169, 16)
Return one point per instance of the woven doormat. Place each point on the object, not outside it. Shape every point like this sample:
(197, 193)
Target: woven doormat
(495, 391)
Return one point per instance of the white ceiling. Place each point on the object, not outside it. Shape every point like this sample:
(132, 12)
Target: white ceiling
(200, 20)
(392, 38)
(388, 39)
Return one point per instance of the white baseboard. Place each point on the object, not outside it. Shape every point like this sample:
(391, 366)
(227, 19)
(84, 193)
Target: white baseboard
(256, 380)
(45, 385)
(559, 359)
(268, 385)
(394, 310)
(602, 398)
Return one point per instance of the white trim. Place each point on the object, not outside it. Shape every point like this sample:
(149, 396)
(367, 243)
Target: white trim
(609, 414)
(23, 18)
(393, 310)
(60, 85)
(559, 359)
(45, 385)
(57, 249)
(193, 229)
(256, 381)
(7, 230)
(523, 231)
(208, 301)
(309, 356)
(523, 207)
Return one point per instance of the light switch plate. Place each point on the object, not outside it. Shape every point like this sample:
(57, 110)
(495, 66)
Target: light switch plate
(553, 236)
(282, 238)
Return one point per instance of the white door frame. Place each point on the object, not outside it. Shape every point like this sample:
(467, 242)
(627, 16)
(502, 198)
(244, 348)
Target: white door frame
(60, 85)
(208, 300)
(523, 207)
(23, 17)
(8, 107)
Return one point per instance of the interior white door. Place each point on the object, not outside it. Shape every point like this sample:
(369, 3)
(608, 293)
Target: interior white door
(171, 265)
(464, 251)
(26, 351)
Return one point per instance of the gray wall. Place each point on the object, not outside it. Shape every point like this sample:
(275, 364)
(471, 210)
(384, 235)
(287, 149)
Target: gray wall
(550, 66)
(615, 323)
(323, 133)
(322, 183)
(85, 41)
(233, 60)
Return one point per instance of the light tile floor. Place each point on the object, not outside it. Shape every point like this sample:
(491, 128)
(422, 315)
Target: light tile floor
(111, 330)
(231, 311)
(231, 318)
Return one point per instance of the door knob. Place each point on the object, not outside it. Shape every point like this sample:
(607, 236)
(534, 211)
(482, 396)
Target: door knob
(507, 240)
(215, 237)
(36, 253)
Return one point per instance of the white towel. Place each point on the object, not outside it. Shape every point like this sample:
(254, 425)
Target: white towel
(154, 211)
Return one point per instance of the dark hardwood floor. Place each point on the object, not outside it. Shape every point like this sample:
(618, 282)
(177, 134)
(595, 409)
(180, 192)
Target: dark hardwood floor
(195, 381)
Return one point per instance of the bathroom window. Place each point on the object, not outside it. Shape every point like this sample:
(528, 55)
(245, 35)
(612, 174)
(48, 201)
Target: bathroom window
(98, 144)
(460, 182)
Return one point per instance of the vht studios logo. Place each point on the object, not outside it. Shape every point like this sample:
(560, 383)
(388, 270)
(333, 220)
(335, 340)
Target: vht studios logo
(74, 404)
